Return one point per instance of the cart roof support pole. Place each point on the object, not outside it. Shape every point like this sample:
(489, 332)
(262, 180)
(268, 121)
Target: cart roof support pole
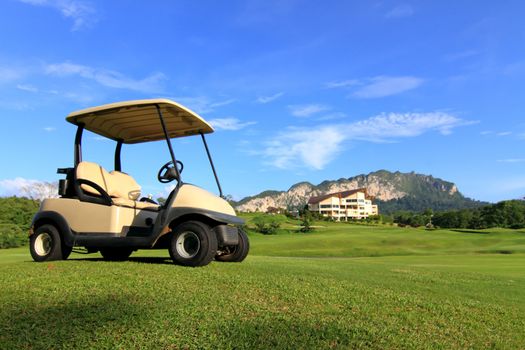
(118, 164)
(211, 163)
(173, 159)
(78, 144)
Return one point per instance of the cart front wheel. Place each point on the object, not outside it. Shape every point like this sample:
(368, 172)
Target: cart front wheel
(45, 244)
(193, 244)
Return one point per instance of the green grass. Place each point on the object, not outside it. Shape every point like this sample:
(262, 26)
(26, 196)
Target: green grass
(343, 286)
(348, 240)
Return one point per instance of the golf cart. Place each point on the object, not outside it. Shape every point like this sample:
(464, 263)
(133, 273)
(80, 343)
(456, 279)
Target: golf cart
(104, 212)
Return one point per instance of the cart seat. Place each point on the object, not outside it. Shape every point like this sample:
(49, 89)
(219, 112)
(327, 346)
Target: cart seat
(128, 203)
(122, 188)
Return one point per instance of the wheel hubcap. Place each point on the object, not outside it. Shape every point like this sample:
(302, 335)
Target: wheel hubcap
(188, 244)
(43, 244)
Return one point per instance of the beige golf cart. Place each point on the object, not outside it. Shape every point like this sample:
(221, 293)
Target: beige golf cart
(104, 211)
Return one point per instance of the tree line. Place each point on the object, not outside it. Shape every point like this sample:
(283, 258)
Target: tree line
(505, 214)
(16, 214)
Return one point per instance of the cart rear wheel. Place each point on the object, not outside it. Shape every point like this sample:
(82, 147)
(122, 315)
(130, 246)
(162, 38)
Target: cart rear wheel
(238, 252)
(66, 251)
(45, 244)
(193, 244)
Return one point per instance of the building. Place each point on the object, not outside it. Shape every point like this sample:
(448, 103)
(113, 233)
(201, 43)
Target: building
(354, 204)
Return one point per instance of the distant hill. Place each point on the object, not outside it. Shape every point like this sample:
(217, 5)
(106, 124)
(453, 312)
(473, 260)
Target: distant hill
(393, 191)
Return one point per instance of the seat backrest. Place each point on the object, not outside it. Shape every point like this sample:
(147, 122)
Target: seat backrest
(124, 186)
(94, 173)
(116, 183)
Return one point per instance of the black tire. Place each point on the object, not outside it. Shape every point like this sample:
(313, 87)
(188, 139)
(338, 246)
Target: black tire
(116, 254)
(238, 252)
(46, 244)
(66, 251)
(193, 244)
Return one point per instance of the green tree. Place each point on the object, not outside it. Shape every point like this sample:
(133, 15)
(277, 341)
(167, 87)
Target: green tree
(306, 221)
(12, 236)
(266, 224)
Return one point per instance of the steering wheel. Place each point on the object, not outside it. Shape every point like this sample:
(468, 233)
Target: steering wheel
(168, 173)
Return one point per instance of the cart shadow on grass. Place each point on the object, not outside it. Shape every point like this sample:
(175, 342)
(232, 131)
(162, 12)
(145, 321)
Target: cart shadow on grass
(143, 260)
(80, 323)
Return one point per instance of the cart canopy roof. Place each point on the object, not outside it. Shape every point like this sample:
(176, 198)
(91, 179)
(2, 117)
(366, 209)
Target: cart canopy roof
(138, 121)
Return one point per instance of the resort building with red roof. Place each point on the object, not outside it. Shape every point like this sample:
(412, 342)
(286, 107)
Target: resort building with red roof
(344, 206)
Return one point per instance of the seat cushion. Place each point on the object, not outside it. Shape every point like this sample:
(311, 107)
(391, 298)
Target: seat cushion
(123, 202)
(128, 203)
(147, 206)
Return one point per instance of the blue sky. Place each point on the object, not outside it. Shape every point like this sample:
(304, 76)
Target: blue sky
(433, 87)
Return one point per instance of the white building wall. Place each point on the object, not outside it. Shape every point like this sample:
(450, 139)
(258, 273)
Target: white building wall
(354, 206)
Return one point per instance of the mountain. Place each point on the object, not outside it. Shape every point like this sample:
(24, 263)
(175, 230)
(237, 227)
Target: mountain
(392, 191)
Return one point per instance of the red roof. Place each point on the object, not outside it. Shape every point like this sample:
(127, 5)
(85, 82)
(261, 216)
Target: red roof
(318, 199)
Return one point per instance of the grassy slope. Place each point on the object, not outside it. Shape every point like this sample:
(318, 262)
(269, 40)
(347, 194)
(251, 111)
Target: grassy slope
(449, 298)
(356, 240)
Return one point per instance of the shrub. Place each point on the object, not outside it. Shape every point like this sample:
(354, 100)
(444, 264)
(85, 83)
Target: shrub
(12, 236)
(266, 224)
(306, 222)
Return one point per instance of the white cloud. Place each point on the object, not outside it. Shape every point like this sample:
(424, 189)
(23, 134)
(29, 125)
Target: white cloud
(512, 160)
(267, 99)
(105, 77)
(341, 84)
(307, 110)
(16, 105)
(316, 147)
(202, 104)
(82, 13)
(302, 147)
(515, 69)
(100, 138)
(496, 133)
(79, 97)
(504, 133)
(456, 56)
(383, 86)
(332, 116)
(229, 124)
(8, 74)
(49, 128)
(222, 103)
(393, 125)
(34, 189)
(27, 87)
(402, 10)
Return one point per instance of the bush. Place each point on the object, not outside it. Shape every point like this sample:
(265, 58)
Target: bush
(15, 219)
(306, 222)
(266, 224)
(12, 236)
(17, 211)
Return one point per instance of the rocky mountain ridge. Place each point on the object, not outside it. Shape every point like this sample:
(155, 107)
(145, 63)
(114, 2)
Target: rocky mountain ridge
(383, 185)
